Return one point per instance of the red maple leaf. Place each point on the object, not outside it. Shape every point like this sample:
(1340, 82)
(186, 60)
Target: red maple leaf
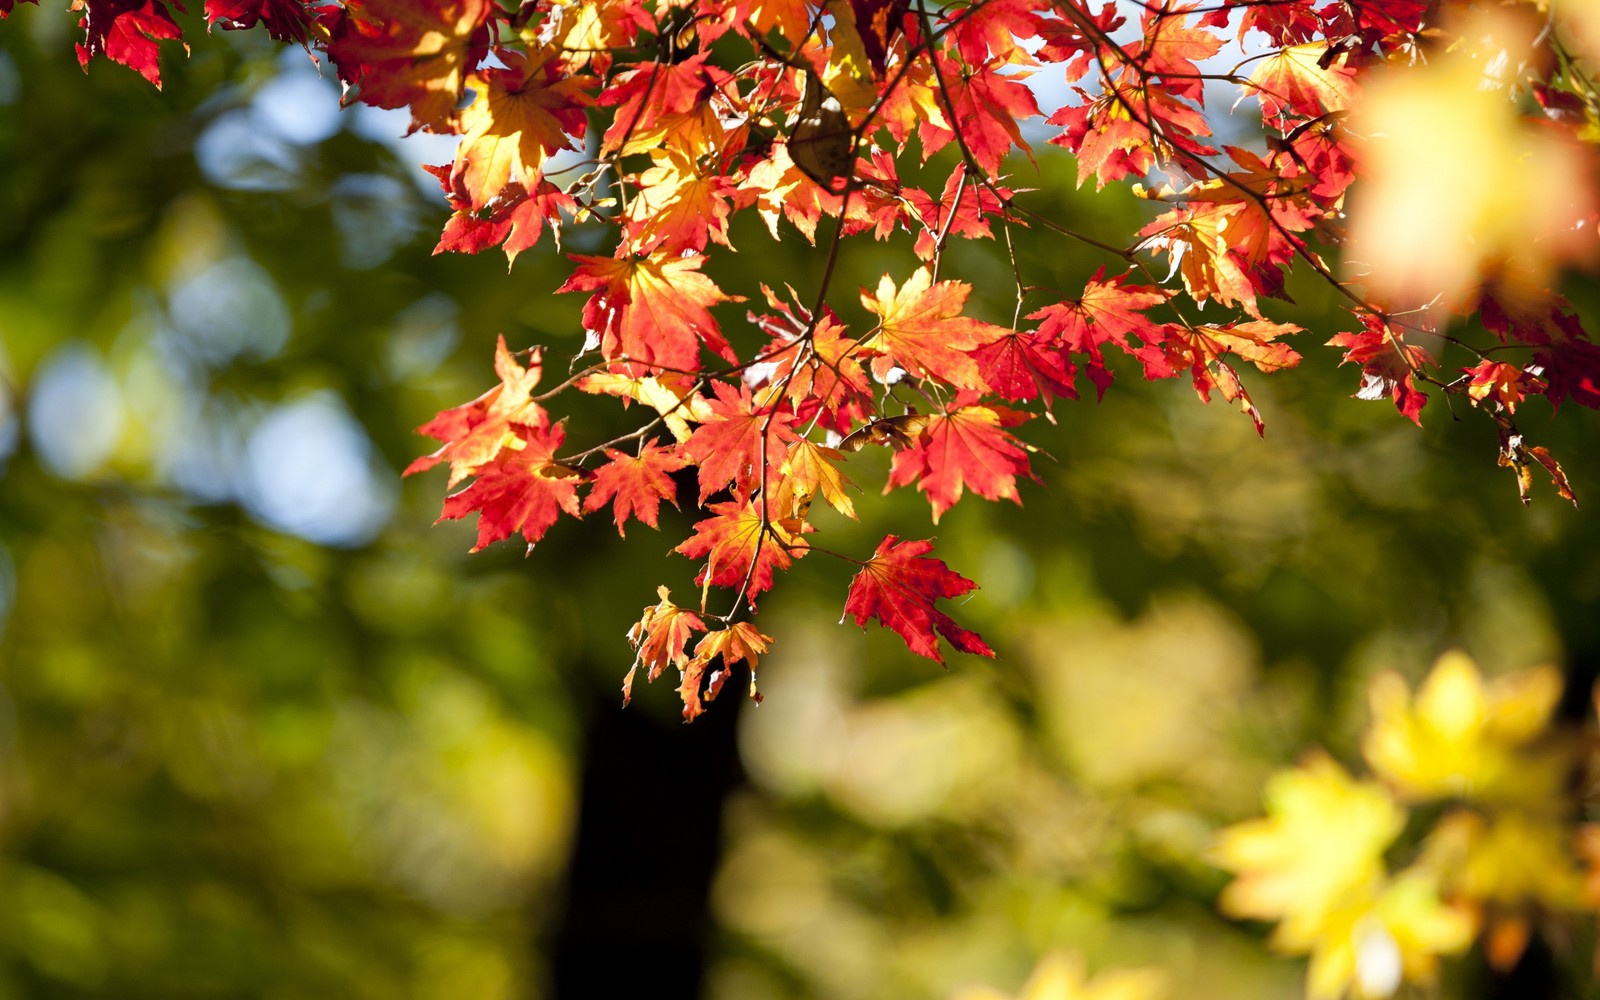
(636, 484)
(285, 20)
(1023, 366)
(513, 221)
(966, 446)
(1109, 312)
(651, 311)
(524, 490)
(728, 446)
(128, 32)
(988, 106)
(1385, 372)
(410, 53)
(474, 432)
(967, 218)
(899, 585)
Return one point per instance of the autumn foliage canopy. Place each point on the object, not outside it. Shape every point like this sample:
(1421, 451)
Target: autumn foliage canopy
(660, 120)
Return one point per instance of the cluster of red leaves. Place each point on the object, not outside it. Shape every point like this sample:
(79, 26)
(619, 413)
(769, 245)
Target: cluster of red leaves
(802, 111)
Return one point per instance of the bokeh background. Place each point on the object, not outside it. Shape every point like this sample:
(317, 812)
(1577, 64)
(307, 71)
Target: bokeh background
(267, 732)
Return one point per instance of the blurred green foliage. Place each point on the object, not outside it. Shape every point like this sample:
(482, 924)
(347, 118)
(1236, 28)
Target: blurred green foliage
(265, 732)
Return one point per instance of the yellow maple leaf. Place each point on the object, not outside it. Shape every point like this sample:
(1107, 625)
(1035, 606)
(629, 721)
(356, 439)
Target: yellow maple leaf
(1461, 738)
(1394, 935)
(1318, 851)
(808, 468)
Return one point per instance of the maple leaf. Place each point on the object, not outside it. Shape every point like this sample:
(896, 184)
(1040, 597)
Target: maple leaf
(513, 221)
(1124, 131)
(523, 490)
(659, 636)
(922, 330)
(1109, 312)
(987, 107)
(740, 642)
(285, 20)
(594, 28)
(821, 374)
(1202, 348)
(1517, 456)
(128, 32)
(410, 53)
(964, 447)
(672, 395)
(736, 545)
(808, 469)
(1385, 371)
(994, 28)
(519, 115)
(1507, 385)
(474, 432)
(636, 483)
(729, 445)
(899, 585)
(651, 97)
(1294, 81)
(1288, 23)
(651, 310)
(1321, 844)
(680, 206)
(1023, 366)
(1462, 738)
(1173, 50)
(1569, 360)
(967, 218)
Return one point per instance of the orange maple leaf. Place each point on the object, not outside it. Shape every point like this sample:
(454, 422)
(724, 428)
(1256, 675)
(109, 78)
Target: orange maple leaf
(1294, 82)
(660, 636)
(740, 642)
(733, 539)
(1201, 349)
(922, 330)
(679, 206)
(474, 432)
(651, 311)
(519, 116)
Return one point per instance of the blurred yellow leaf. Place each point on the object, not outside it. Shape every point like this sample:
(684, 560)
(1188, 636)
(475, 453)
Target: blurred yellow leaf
(1318, 852)
(1395, 936)
(1460, 738)
(1510, 860)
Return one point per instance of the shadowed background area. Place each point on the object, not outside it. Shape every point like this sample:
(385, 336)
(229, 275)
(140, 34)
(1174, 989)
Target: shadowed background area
(267, 732)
